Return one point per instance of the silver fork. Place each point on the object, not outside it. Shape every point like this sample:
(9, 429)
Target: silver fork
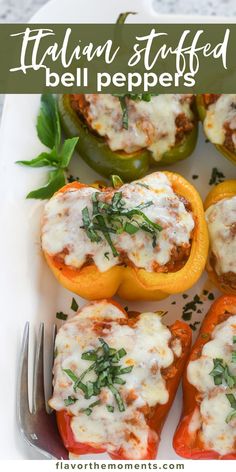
(38, 428)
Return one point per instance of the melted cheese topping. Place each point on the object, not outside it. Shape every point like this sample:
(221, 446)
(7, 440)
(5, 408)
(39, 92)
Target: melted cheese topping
(219, 114)
(61, 230)
(221, 219)
(151, 124)
(210, 418)
(148, 350)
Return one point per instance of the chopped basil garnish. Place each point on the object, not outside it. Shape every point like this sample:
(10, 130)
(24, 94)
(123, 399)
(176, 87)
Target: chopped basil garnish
(234, 339)
(141, 184)
(146, 97)
(110, 408)
(89, 409)
(233, 357)
(61, 316)
(70, 401)
(217, 177)
(191, 307)
(231, 416)
(71, 374)
(74, 305)
(115, 218)
(232, 401)
(221, 373)
(105, 364)
(194, 325)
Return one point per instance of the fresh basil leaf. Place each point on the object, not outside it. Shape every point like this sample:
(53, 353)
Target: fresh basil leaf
(67, 151)
(48, 122)
(55, 182)
(42, 160)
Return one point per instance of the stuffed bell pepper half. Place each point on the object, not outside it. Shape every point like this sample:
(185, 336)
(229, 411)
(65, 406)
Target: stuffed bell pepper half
(218, 115)
(126, 134)
(207, 429)
(115, 378)
(220, 208)
(143, 241)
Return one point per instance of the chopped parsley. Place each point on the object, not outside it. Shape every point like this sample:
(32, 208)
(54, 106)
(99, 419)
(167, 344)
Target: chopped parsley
(61, 316)
(74, 305)
(195, 176)
(217, 177)
(211, 296)
(106, 365)
(114, 218)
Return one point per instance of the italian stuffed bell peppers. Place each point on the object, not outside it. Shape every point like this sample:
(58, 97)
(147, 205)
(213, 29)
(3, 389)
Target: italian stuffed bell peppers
(115, 378)
(143, 241)
(207, 429)
(218, 115)
(220, 208)
(127, 134)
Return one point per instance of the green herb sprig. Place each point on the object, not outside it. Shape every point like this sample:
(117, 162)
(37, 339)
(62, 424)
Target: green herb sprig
(58, 158)
(105, 363)
(115, 218)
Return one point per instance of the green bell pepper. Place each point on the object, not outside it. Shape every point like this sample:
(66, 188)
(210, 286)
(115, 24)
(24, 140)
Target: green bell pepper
(202, 110)
(96, 152)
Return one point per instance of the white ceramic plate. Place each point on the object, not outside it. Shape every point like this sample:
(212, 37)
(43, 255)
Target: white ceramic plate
(28, 290)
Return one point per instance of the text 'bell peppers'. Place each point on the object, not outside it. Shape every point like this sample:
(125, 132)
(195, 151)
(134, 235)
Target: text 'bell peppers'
(125, 278)
(115, 378)
(204, 103)
(207, 426)
(220, 206)
(95, 150)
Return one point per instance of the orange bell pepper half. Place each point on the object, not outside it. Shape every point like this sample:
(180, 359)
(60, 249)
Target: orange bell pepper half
(130, 282)
(155, 417)
(189, 444)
